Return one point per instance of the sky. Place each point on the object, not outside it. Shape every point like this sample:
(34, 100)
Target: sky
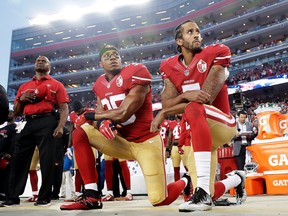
(15, 14)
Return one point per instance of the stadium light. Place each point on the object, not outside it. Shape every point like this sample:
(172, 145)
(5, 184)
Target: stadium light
(73, 13)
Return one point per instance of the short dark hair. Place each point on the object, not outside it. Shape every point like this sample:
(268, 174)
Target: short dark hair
(243, 112)
(77, 105)
(178, 32)
(105, 48)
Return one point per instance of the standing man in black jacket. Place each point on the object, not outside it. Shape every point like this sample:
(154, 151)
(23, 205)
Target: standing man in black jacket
(245, 134)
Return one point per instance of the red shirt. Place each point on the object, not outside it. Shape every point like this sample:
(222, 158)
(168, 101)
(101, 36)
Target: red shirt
(73, 116)
(176, 130)
(164, 129)
(49, 91)
(185, 136)
(111, 94)
(192, 77)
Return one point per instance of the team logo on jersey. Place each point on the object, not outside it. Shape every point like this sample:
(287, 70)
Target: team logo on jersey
(119, 81)
(202, 66)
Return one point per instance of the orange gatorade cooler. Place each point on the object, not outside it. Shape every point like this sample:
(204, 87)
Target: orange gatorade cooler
(276, 182)
(271, 154)
(283, 124)
(254, 183)
(268, 121)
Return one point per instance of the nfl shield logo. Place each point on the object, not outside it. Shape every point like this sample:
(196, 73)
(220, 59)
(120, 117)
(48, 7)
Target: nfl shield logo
(119, 81)
(186, 72)
(202, 66)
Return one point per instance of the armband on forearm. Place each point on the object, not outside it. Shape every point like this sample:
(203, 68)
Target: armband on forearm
(90, 116)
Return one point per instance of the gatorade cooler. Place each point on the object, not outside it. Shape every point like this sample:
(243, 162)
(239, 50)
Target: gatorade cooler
(270, 154)
(254, 183)
(226, 161)
(268, 121)
(276, 181)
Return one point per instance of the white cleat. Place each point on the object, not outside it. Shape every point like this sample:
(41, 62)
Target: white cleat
(200, 201)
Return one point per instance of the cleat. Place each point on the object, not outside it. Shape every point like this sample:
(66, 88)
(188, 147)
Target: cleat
(128, 197)
(200, 201)
(188, 190)
(11, 202)
(241, 194)
(42, 203)
(2, 198)
(90, 199)
(108, 197)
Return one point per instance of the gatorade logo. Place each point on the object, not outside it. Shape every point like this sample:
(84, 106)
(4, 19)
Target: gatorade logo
(278, 183)
(283, 124)
(278, 160)
(263, 120)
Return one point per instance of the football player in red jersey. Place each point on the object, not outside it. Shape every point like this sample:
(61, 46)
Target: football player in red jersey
(174, 135)
(235, 179)
(78, 111)
(124, 97)
(164, 133)
(194, 84)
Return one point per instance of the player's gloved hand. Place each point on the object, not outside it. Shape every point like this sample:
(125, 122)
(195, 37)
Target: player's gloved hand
(107, 128)
(180, 150)
(69, 153)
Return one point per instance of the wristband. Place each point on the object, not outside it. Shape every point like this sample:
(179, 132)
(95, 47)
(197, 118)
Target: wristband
(90, 116)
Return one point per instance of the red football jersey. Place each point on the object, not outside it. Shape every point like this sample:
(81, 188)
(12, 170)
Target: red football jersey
(164, 129)
(111, 94)
(185, 136)
(73, 116)
(192, 77)
(175, 127)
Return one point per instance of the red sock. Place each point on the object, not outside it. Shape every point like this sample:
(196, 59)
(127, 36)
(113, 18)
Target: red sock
(176, 173)
(126, 174)
(33, 180)
(109, 174)
(174, 190)
(78, 181)
(84, 156)
(219, 190)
